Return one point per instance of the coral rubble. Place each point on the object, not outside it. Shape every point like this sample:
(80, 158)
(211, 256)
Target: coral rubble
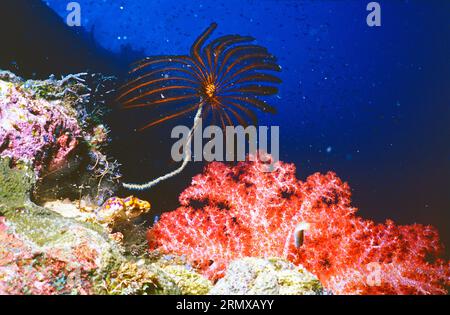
(243, 211)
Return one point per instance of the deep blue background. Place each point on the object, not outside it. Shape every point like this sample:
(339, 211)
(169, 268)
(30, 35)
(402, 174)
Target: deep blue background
(371, 104)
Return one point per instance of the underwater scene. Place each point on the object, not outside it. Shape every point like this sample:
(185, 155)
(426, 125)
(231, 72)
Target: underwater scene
(224, 147)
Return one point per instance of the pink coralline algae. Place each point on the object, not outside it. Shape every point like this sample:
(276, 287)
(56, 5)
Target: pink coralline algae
(35, 130)
(27, 269)
(244, 211)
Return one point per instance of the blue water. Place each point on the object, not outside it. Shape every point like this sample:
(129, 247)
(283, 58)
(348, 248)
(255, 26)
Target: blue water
(372, 104)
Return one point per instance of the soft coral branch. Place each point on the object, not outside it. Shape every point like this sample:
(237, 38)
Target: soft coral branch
(232, 212)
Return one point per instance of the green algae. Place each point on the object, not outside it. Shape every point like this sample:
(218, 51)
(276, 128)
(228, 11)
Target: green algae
(15, 185)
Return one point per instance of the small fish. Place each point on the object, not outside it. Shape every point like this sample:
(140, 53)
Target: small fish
(299, 233)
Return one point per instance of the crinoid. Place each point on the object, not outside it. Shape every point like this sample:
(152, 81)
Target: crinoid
(224, 78)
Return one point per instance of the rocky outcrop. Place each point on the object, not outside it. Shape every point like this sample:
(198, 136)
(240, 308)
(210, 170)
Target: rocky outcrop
(53, 126)
(43, 252)
(257, 276)
(57, 233)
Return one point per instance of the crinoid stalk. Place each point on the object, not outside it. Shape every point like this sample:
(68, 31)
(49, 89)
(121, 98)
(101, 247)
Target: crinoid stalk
(224, 78)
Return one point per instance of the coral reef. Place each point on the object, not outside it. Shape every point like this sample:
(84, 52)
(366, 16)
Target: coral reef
(244, 211)
(117, 216)
(239, 230)
(142, 277)
(117, 210)
(35, 130)
(113, 213)
(57, 233)
(43, 252)
(85, 263)
(52, 126)
(266, 277)
(62, 267)
(189, 282)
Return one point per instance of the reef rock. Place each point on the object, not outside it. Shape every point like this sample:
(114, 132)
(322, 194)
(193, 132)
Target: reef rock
(54, 263)
(52, 127)
(116, 211)
(141, 277)
(33, 129)
(43, 252)
(55, 237)
(266, 277)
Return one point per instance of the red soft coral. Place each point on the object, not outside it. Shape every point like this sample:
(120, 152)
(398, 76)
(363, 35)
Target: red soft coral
(240, 211)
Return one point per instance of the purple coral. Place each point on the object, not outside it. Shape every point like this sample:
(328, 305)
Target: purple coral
(35, 130)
